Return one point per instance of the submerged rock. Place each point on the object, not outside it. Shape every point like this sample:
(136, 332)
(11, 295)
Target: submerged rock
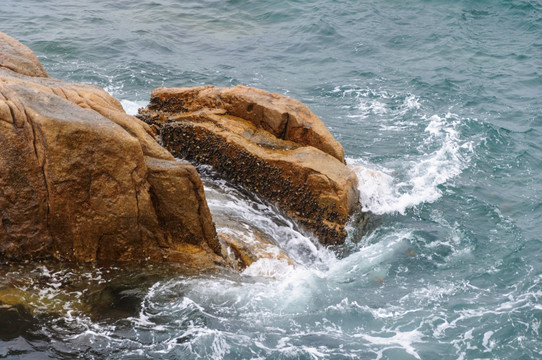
(15, 320)
(249, 249)
(116, 302)
(270, 144)
(82, 180)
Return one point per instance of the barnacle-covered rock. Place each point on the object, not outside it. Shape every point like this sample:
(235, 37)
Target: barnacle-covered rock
(270, 144)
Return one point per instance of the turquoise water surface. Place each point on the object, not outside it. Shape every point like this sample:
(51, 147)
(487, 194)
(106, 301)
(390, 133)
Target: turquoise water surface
(441, 100)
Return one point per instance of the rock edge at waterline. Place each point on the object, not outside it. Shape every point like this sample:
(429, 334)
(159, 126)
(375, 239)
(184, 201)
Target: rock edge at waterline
(80, 180)
(272, 145)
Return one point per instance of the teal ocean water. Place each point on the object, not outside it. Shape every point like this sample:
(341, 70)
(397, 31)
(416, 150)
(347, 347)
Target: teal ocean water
(441, 100)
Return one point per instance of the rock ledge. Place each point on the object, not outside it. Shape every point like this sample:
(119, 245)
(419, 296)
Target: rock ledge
(270, 144)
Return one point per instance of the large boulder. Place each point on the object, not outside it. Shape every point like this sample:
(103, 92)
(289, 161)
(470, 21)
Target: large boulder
(283, 117)
(19, 58)
(82, 180)
(270, 144)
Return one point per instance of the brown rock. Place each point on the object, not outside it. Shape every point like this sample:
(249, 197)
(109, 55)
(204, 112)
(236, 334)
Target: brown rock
(243, 134)
(252, 246)
(177, 193)
(284, 117)
(82, 180)
(19, 58)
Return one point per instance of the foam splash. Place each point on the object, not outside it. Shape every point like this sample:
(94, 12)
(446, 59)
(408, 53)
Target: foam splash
(271, 268)
(381, 192)
(236, 214)
(402, 340)
(370, 107)
(131, 107)
(411, 102)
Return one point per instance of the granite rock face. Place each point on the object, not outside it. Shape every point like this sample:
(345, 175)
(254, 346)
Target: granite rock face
(19, 58)
(284, 117)
(272, 145)
(82, 180)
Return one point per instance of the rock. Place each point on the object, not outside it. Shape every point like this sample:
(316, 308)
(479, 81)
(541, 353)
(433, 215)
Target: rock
(15, 320)
(284, 117)
(272, 145)
(116, 302)
(82, 180)
(252, 246)
(19, 58)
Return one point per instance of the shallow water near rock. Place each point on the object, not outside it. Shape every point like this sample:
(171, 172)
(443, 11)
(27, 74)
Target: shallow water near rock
(438, 106)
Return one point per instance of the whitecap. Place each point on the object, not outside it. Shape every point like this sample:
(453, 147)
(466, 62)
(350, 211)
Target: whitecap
(418, 177)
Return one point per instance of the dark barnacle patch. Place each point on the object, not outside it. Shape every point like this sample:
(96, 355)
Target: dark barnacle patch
(201, 146)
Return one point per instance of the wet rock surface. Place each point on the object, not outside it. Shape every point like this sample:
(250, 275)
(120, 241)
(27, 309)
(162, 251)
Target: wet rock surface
(82, 180)
(247, 136)
(15, 320)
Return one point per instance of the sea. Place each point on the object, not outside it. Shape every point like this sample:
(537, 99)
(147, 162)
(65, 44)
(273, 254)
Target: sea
(438, 105)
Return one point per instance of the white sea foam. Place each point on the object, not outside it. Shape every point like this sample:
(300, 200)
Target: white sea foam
(369, 107)
(234, 213)
(272, 268)
(131, 107)
(394, 188)
(370, 102)
(382, 191)
(370, 261)
(403, 340)
(380, 104)
(411, 102)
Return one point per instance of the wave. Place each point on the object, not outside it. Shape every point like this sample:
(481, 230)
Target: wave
(418, 178)
(243, 215)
